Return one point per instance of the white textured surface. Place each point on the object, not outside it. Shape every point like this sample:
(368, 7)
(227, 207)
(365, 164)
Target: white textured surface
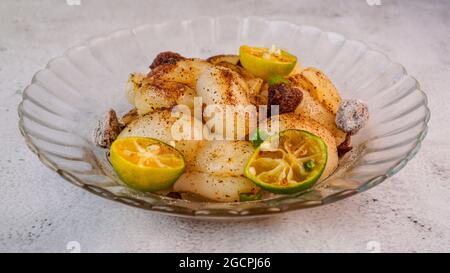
(410, 212)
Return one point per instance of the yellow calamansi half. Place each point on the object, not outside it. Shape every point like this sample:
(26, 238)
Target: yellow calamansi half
(266, 63)
(288, 162)
(146, 164)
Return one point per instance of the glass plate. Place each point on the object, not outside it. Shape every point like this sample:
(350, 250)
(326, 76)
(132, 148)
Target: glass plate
(65, 101)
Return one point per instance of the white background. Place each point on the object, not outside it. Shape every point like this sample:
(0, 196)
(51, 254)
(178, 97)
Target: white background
(410, 212)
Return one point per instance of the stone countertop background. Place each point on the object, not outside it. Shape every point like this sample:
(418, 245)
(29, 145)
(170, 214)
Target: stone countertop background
(410, 212)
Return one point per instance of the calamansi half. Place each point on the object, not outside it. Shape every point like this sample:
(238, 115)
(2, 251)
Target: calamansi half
(288, 162)
(266, 63)
(146, 164)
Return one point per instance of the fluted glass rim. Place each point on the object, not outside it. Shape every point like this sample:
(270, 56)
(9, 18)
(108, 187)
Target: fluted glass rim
(221, 213)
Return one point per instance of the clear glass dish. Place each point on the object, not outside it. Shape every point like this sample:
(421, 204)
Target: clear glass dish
(65, 100)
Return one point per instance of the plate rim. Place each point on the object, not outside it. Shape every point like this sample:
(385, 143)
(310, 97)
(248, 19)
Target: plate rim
(198, 214)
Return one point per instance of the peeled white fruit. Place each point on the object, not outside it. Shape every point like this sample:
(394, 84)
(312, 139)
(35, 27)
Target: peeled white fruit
(149, 94)
(223, 157)
(254, 83)
(184, 71)
(217, 171)
(214, 187)
(319, 86)
(221, 85)
(227, 90)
